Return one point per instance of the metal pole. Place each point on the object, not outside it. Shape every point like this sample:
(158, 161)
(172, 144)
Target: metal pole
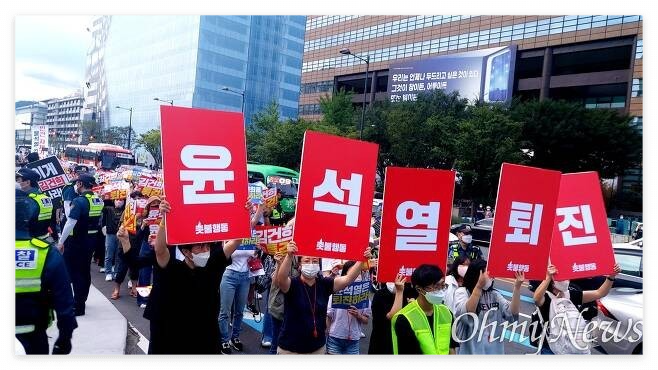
(365, 90)
(130, 126)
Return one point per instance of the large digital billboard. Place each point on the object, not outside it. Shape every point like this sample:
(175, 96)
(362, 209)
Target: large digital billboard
(486, 75)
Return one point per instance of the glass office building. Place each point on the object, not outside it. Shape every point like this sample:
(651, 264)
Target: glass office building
(197, 61)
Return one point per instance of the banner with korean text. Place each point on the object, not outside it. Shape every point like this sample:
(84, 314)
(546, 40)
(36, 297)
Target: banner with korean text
(523, 225)
(581, 245)
(336, 188)
(356, 294)
(53, 178)
(274, 239)
(205, 175)
(415, 224)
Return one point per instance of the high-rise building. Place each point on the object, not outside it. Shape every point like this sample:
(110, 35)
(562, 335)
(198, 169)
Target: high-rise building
(595, 60)
(592, 59)
(27, 116)
(63, 120)
(217, 62)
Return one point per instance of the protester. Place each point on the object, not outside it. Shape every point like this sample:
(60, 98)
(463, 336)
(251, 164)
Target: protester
(82, 224)
(465, 247)
(110, 225)
(478, 296)
(306, 300)
(42, 285)
(553, 296)
(234, 289)
(276, 299)
(387, 301)
(129, 254)
(146, 250)
(412, 332)
(344, 325)
(184, 303)
(454, 280)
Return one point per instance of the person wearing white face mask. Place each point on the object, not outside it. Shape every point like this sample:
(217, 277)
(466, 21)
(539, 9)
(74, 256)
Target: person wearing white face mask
(306, 299)
(465, 247)
(424, 326)
(481, 311)
(551, 289)
(183, 305)
(455, 279)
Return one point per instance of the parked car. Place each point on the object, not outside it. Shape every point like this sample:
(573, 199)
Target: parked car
(623, 307)
(481, 231)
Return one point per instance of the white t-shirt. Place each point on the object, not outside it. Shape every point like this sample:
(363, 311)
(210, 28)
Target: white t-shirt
(239, 259)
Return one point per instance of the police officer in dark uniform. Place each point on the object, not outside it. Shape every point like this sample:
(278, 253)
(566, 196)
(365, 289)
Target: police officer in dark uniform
(42, 284)
(465, 246)
(27, 179)
(78, 238)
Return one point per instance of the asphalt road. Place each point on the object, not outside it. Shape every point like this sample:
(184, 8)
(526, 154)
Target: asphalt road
(251, 337)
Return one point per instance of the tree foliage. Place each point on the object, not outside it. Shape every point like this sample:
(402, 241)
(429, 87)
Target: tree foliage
(150, 140)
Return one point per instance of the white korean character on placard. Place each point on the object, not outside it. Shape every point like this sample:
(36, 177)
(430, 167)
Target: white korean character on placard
(204, 170)
(207, 229)
(569, 214)
(330, 186)
(198, 229)
(522, 217)
(408, 239)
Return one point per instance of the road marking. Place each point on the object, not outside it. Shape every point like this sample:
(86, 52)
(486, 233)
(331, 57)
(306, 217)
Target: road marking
(143, 343)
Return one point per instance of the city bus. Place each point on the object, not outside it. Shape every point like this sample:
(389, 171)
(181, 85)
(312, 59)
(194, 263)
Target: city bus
(105, 156)
(285, 179)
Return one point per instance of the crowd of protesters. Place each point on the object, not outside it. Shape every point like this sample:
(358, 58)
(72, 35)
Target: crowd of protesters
(195, 295)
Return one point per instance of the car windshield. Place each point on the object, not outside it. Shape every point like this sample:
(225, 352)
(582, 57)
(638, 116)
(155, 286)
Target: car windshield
(485, 222)
(631, 264)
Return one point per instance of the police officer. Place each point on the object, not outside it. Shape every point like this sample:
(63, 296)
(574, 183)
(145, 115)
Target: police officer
(42, 284)
(27, 179)
(68, 192)
(465, 247)
(82, 225)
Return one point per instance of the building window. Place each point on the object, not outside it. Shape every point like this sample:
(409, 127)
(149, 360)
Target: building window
(493, 36)
(636, 89)
(638, 49)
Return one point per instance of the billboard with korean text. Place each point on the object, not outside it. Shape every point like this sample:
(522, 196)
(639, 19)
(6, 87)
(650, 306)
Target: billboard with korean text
(52, 177)
(486, 75)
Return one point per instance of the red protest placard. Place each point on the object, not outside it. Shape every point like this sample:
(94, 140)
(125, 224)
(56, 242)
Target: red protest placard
(205, 175)
(334, 203)
(581, 245)
(415, 224)
(523, 223)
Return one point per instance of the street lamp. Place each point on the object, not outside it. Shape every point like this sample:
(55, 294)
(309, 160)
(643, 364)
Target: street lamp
(171, 102)
(241, 93)
(365, 85)
(130, 122)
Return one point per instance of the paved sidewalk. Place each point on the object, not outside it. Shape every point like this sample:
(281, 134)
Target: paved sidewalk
(101, 331)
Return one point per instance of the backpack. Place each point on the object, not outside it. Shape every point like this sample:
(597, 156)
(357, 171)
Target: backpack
(572, 339)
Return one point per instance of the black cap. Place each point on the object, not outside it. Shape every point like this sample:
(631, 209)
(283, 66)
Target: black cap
(87, 180)
(463, 228)
(28, 174)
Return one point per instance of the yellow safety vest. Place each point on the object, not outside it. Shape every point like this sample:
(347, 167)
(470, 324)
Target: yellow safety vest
(437, 344)
(95, 209)
(45, 204)
(30, 261)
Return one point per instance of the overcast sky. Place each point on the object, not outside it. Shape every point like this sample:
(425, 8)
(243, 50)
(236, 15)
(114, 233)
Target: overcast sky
(50, 54)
